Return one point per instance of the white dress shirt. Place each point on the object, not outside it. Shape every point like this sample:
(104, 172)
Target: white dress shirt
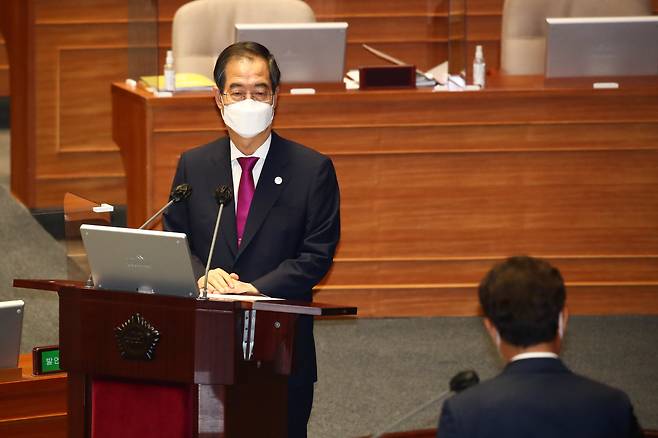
(236, 170)
(535, 355)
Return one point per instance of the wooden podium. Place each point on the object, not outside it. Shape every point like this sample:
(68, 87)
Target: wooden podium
(224, 364)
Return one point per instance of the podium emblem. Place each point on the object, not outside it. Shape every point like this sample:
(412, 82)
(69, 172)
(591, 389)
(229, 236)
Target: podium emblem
(137, 338)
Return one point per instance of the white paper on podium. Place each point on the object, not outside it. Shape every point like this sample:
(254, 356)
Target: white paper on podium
(241, 297)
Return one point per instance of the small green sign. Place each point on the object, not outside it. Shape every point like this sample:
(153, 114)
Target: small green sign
(50, 361)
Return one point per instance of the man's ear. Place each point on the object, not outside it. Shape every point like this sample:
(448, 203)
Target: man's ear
(275, 98)
(218, 98)
(562, 322)
(493, 332)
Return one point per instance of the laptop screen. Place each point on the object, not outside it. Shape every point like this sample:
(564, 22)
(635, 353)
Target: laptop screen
(602, 46)
(11, 329)
(143, 261)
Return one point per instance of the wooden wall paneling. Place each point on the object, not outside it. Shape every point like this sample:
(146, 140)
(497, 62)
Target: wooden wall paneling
(125, 132)
(396, 28)
(33, 398)
(4, 68)
(53, 426)
(535, 137)
(483, 108)
(73, 117)
(475, 137)
(33, 406)
(73, 11)
(485, 6)
(167, 8)
(348, 271)
(384, 7)
(17, 20)
(461, 300)
(323, 7)
(493, 203)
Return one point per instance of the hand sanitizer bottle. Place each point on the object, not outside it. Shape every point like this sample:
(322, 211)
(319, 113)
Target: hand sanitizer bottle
(479, 67)
(169, 73)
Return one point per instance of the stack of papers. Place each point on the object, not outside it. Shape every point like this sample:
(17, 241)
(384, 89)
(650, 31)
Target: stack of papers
(184, 82)
(241, 297)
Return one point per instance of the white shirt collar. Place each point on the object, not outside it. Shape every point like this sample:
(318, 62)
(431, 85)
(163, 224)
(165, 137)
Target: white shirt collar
(261, 151)
(535, 355)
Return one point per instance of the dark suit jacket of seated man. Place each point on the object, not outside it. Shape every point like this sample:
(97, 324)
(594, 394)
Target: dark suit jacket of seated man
(290, 234)
(536, 395)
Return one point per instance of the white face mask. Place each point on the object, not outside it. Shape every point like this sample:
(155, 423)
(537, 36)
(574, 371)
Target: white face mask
(248, 118)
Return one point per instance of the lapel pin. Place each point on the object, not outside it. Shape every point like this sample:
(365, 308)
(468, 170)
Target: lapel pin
(278, 180)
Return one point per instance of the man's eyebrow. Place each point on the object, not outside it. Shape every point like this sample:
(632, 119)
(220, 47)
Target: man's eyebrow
(242, 85)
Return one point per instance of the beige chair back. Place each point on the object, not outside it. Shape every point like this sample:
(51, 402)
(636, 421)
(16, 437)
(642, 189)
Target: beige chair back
(203, 28)
(523, 35)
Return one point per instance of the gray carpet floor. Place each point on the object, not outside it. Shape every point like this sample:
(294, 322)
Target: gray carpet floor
(29, 252)
(371, 371)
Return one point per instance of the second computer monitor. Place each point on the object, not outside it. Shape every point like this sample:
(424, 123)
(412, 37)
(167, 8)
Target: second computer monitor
(305, 52)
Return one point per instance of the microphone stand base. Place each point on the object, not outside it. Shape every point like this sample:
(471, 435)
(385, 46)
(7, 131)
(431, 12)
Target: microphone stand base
(203, 296)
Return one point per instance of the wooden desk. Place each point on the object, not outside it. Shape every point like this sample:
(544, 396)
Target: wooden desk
(34, 406)
(436, 187)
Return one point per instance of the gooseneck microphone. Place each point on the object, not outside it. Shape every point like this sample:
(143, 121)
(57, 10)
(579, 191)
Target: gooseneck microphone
(458, 383)
(223, 195)
(180, 193)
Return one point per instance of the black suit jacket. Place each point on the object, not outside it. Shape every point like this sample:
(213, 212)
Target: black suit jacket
(291, 232)
(538, 398)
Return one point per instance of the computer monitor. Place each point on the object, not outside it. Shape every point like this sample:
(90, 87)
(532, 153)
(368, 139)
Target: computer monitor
(11, 328)
(145, 261)
(602, 46)
(305, 52)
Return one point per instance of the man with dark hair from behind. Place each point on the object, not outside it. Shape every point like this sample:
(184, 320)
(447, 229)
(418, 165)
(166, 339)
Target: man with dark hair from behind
(536, 395)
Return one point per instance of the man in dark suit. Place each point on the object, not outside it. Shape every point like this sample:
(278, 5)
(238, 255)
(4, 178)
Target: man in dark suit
(536, 395)
(279, 235)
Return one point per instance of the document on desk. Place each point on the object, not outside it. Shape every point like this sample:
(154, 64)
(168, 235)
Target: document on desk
(241, 297)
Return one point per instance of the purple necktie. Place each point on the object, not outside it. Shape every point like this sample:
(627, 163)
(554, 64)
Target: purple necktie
(245, 193)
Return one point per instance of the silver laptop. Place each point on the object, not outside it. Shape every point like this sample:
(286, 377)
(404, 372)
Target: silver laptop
(305, 52)
(143, 261)
(11, 328)
(602, 46)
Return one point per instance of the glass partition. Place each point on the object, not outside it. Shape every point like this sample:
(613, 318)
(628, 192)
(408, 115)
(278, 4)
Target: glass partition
(457, 43)
(78, 211)
(143, 50)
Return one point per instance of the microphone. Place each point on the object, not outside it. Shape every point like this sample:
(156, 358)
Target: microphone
(459, 382)
(464, 380)
(223, 195)
(180, 193)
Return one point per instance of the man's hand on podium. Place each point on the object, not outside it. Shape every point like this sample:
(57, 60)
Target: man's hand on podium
(220, 281)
